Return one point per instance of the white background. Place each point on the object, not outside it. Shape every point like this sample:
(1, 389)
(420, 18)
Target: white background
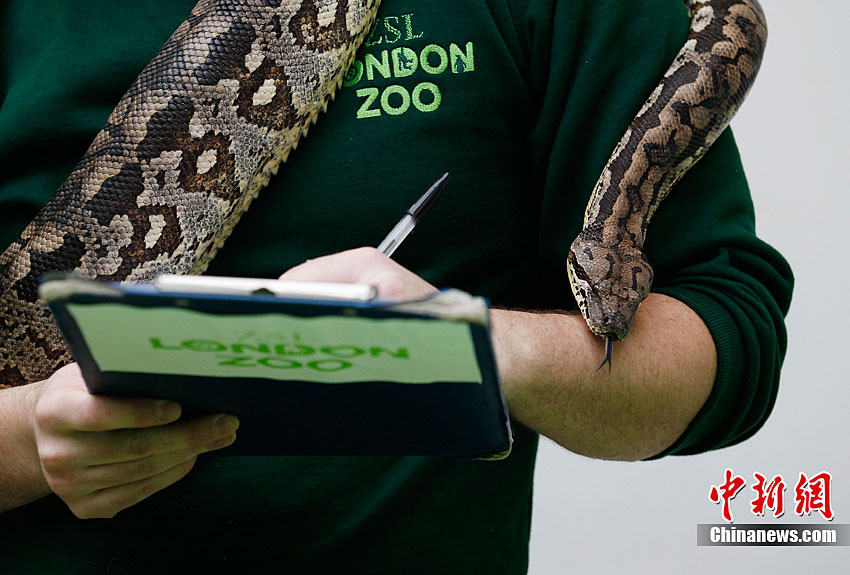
(603, 517)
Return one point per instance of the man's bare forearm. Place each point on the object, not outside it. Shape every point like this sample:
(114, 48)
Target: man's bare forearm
(662, 374)
(21, 479)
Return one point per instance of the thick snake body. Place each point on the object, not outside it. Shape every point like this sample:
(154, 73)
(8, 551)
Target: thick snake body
(227, 98)
(190, 144)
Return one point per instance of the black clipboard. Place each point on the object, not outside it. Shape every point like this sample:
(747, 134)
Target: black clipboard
(307, 374)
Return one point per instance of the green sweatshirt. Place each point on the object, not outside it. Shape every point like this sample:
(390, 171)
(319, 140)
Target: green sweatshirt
(522, 101)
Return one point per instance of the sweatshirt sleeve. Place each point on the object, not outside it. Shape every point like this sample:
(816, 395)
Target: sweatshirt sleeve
(591, 65)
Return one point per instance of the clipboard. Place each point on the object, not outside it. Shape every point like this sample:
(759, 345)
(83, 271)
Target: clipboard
(310, 369)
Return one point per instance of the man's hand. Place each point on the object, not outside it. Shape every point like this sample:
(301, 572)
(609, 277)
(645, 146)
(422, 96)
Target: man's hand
(663, 372)
(102, 455)
(364, 266)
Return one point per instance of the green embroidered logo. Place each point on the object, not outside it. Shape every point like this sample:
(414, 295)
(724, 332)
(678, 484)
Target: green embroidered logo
(404, 62)
(386, 30)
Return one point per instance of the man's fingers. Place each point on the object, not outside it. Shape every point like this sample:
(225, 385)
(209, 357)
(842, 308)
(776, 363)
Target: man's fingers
(112, 474)
(78, 451)
(132, 444)
(366, 266)
(350, 266)
(67, 405)
(108, 502)
(102, 455)
(98, 413)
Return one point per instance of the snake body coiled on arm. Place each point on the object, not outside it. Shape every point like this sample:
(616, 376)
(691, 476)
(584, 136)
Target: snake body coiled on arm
(691, 106)
(206, 123)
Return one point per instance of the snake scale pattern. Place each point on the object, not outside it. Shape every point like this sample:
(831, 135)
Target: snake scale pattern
(208, 120)
(688, 110)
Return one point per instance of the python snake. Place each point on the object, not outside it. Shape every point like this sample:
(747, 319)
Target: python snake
(206, 123)
(691, 106)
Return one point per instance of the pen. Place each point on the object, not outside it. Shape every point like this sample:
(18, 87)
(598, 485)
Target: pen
(412, 216)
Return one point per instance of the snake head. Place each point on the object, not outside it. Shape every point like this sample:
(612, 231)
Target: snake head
(609, 283)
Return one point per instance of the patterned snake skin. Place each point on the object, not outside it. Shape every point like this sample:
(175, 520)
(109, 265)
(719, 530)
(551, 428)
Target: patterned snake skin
(685, 114)
(188, 147)
(208, 120)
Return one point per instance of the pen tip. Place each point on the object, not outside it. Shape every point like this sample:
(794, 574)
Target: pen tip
(424, 203)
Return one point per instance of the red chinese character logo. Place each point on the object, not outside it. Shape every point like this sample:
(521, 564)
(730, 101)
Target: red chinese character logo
(727, 492)
(814, 494)
(772, 496)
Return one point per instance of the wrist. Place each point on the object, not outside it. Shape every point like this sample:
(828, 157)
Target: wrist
(531, 348)
(20, 467)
